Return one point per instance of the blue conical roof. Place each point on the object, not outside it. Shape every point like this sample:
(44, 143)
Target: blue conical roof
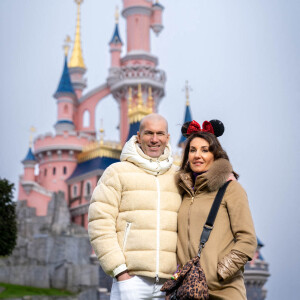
(65, 85)
(187, 118)
(30, 156)
(116, 39)
(158, 5)
(259, 242)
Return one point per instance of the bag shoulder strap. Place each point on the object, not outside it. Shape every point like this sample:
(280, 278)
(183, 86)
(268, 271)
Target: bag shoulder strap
(209, 224)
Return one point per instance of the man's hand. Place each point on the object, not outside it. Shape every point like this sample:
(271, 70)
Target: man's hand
(123, 276)
(231, 177)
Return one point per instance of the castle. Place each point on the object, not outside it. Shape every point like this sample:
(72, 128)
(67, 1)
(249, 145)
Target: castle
(72, 159)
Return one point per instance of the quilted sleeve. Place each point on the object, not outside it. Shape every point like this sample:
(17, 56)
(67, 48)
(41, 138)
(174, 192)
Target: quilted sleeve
(103, 213)
(241, 220)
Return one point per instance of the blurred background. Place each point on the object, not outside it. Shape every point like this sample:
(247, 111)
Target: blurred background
(241, 59)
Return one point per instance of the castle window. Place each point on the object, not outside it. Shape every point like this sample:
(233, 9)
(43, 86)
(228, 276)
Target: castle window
(86, 118)
(54, 171)
(45, 172)
(66, 108)
(74, 190)
(88, 189)
(65, 170)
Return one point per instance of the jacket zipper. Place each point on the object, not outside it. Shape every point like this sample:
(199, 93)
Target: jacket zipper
(127, 229)
(188, 233)
(157, 230)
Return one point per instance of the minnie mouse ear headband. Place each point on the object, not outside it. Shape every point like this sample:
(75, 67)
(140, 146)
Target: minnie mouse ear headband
(215, 127)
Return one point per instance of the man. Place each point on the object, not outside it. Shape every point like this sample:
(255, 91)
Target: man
(133, 214)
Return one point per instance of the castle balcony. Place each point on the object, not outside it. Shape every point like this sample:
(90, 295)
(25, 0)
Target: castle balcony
(130, 75)
(257, 271)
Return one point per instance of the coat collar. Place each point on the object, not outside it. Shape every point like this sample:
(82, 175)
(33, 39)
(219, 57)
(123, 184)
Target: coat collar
(212, 180)
(156, 166)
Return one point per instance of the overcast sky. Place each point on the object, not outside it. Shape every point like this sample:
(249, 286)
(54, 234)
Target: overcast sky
(241, 58)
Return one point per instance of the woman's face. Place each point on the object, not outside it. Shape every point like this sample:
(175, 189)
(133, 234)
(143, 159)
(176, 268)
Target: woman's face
(200, 158)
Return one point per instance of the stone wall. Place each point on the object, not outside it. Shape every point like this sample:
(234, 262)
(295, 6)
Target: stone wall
(51, 252)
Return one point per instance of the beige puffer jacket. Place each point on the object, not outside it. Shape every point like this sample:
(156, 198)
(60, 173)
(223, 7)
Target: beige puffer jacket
(133, 215)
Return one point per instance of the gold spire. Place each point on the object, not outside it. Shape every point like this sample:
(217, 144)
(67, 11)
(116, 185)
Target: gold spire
(77, 58)
(187, 92)
(117, 15)
(101, 130)
(32, 131)
(150, 99)
(66, 45)
(129, 100)
(138, 110)
(140, 95)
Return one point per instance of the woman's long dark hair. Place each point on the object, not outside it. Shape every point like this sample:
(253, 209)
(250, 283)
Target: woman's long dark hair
(214, 147)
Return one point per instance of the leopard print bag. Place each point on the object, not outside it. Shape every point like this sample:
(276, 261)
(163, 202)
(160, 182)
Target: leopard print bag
(189, 283)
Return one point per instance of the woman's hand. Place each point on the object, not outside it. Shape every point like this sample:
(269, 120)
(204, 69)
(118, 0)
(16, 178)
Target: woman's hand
(230, 264)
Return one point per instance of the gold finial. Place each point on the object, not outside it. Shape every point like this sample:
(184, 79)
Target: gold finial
(101, 130)
(150, 98)
(187, 89)
(32, 131)
(77, 58)
(129, 99)
(66, 45)
(139, 109)
(117, 15)
(140, 96)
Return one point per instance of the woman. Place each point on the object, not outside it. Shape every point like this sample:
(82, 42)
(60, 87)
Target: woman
(232, 242)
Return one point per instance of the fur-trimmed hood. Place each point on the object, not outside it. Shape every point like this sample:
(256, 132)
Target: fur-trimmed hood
(211, 180)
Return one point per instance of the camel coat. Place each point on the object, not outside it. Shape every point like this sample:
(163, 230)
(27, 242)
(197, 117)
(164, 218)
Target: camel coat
(233, 227)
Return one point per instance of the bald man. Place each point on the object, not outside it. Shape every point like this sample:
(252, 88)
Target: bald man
(133, 214)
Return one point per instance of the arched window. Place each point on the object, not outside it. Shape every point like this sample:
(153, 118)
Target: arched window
(66, 108)
(86, 118)
(88, 189)
(45, 172)
(54, 171)
(65, 170)
(74, 190)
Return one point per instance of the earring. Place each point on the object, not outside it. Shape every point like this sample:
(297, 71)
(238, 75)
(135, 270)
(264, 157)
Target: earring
(187, 165)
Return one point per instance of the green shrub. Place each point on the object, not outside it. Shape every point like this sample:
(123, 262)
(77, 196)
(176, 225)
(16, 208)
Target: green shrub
(8, 222)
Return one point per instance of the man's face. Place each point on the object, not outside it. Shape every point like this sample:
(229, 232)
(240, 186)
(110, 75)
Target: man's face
(153, 138)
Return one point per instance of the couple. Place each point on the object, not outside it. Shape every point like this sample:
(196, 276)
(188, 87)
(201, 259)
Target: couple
(139, 201)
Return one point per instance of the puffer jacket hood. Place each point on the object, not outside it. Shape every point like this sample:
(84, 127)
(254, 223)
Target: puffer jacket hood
(155, 166)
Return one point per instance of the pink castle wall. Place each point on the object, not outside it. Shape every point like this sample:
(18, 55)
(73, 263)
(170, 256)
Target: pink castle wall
(90, 105)
(115, 51)
(65, 111)
(34, 199)
(29, 174)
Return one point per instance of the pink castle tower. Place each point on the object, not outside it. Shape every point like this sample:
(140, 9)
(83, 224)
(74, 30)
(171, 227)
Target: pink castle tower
(72, 160)
(138, 66)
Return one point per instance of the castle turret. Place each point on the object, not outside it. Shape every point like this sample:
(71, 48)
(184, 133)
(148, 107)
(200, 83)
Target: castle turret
(29, 163)
(256, 275)
(156, 20)
(76, 64)
(66, 99)
(187, 115)
(138, 66)
(116, 45)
